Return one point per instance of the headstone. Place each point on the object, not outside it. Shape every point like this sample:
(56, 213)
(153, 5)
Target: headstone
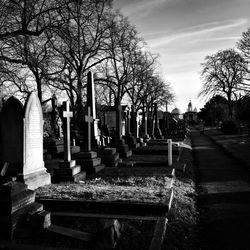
(11, 135)
(67, 114)
(17, 203)
(89, 119)
(118, 122)
(156, 128)
(68, 170)
(128, 122)
(91, 102)
(54, 115)
(34, 173)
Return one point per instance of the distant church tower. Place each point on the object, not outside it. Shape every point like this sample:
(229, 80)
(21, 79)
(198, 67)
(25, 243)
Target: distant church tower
(190, 107)
(191, 115)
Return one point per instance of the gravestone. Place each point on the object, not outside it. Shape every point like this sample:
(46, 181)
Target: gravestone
(131, 136)
(34, 173)
(156, 128)
(68, 170)
(87, 158)
(11, 136)
(89, 119)
(17, 207)
(145, 125)
(91, 102)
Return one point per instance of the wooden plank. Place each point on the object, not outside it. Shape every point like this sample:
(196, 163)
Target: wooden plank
(159, 234)
(106, 216)
(71, 233)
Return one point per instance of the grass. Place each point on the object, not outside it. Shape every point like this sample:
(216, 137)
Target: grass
(131, 188)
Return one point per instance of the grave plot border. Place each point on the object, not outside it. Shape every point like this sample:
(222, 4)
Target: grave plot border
(109, 207)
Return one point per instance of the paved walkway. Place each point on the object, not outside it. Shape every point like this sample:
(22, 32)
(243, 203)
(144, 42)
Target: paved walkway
(224, 196)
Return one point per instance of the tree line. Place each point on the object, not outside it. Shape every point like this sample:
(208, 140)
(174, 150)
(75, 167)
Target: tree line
(226, 73)
(50, 45)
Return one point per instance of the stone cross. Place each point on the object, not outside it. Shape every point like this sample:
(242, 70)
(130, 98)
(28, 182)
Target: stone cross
(89, 119)
(67, 114)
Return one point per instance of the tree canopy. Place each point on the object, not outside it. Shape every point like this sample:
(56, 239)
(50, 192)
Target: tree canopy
(222, 73)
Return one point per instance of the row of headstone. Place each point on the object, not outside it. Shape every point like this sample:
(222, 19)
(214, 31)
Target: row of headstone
(21, 140)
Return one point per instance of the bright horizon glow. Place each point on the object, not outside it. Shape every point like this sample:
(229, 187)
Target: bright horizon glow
(183, 33)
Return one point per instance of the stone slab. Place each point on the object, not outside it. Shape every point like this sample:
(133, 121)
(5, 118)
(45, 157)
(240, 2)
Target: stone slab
(67, 164)
(67, 171)
(109, 151)
(67, 232)
(87, 163)
(9, 189)
(74, 178)
(85, 155)
(17, 202)
(37, 179)
(40, 220)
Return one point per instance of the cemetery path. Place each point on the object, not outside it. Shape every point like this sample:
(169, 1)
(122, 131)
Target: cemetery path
(223, 196)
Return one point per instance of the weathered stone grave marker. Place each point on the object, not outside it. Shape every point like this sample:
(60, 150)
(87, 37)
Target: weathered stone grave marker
(68, 170)
(89, 119)
(87, 158)
(11, 135)
(34, 173)
(67, 114)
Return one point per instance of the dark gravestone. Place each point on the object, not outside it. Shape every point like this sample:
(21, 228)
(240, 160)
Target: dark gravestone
(11, 135)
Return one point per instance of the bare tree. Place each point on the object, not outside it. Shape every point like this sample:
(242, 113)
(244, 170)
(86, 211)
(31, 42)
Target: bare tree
(80, 41)
(222, 73)
(122, 46)
(27, 17)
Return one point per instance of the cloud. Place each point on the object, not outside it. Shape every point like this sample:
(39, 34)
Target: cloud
(200, 32)
(142, 8)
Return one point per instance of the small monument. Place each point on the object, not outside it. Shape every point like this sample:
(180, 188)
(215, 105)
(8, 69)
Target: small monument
(87, 158)
(156, 128)
(18, 210)
(34, 173)
(145, 125)
(131, 138)
(68, 170)
(11, 136)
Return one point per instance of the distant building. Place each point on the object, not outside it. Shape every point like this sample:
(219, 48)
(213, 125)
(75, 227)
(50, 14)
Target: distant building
(190, 116)
(176, 113)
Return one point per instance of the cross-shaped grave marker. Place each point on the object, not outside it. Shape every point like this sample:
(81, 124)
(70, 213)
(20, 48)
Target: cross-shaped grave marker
(89, 119)
(67, 114)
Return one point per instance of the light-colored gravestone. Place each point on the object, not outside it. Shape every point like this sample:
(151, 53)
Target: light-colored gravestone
(91, 102)
(67, 114)
(68, 170)
(34, 173)
(11, 135)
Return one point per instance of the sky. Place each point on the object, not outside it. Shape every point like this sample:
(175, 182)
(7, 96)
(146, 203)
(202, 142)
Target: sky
(183, 33)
